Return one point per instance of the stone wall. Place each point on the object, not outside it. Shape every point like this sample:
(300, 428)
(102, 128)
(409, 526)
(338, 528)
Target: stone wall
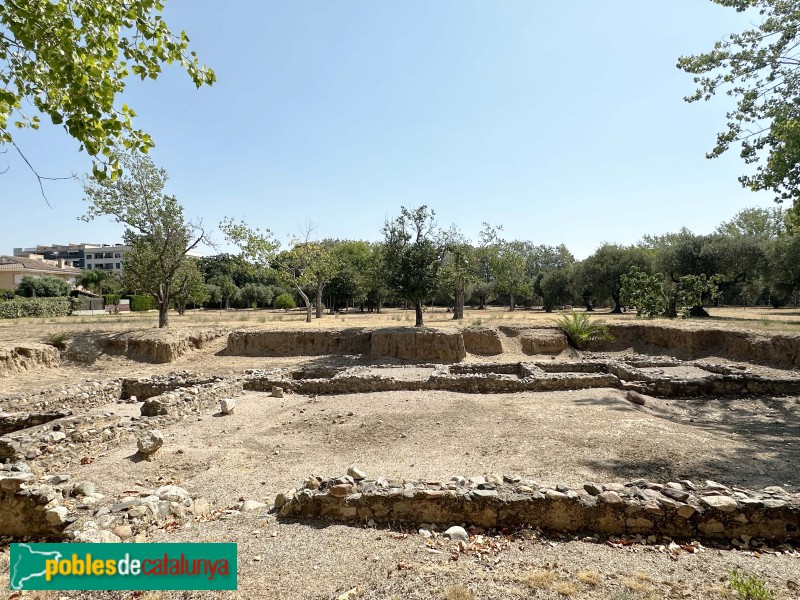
(778, 350)
(543, 341)
(437, 345)
(29, 507)
(485, 342)
(68, 397)
(159, 345)
(146, 387)
(17, 358)
(677, 509)
(298, 343)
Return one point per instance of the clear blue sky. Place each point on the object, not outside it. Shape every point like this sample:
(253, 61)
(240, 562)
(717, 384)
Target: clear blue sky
(562, 121)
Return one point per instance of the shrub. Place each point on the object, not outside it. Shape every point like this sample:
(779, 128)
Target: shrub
(285, 301)
(6, 294)
(57, 340)
(36, 307)
(750, 587)
(141, 303)
(43, 287)
(112, 299)
(581, 331)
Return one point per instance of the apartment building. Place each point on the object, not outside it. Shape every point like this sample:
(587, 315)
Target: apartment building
(108, 257)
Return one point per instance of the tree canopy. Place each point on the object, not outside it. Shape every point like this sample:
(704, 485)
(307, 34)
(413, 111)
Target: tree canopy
(69, 60)
(760, 69)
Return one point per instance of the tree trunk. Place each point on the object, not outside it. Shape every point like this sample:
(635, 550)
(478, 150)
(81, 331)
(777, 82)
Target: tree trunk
(320, 286)
(163, 308)
(512, 304)
(587, 302)
(458, 310)
(617, 304)
(378, 309)
(698, 311)
(306, 303)
(418, 310)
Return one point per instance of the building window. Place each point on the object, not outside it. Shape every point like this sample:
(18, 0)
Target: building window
(89, 256)
(117, 267)
(117, 255)
(88, 267)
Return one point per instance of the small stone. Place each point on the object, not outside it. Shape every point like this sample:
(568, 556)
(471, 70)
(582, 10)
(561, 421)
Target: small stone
(593, 489)
(149, 442)
(675, 494)
(635, 398)
(283, 498)
(457, 534)
(311, 483)
(123, 531)
(425, 533)
(249, 505)
(775, 490)
(356, 473)
(83, 488)
(227, 405)
(277, 392)
(56, 516)
(610, 497)
(723, 503)
(340, 490)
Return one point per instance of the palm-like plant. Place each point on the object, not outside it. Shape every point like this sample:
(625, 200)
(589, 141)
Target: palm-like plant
(582, 331)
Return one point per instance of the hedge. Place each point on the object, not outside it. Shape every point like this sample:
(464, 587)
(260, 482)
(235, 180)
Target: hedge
(36, 307)
(112, 299)
(139, 303)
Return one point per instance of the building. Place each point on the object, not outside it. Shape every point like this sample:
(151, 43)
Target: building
(14, 268)
(108, 257)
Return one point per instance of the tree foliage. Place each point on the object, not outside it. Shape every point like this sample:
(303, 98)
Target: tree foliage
(759, 68)
(43, 287)
(69, 60)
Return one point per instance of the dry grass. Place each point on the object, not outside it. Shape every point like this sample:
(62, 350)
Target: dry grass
(541, 580)
(458, 592)
(591, 578)
(566, 588)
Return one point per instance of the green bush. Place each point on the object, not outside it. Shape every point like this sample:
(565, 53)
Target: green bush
(57, 340)
(750, 587)
(141, 303)
(43, 287)
(36, 307)
(581, 331)
(285, 301)
(6, 294)
(112, 299)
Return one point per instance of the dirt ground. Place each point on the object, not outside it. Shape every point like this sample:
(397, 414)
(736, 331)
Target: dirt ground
(571, 437)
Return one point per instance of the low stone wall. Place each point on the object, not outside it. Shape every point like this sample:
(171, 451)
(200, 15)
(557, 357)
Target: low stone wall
(433, 345)
(143, 388)
(543, 341)
(298, 343)
(16, 421)
(485, 342)
(24, 357)
(69, 397)
(159, 345)
(29, 507)
(680, 510)
(778, 349)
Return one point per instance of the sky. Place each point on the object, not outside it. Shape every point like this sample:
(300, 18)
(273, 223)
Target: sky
(563, 122)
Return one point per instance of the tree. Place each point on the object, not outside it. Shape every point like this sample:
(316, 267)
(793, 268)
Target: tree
(189, 287)
(69, 60)
(509, 266)
(227, 289)
(93, 280)
(759, 68)
(766, 223)
(156, 229)
(412, 256)
(554, 287)
(602, 271)
(43, 287)
(257, 294)
(458, 268)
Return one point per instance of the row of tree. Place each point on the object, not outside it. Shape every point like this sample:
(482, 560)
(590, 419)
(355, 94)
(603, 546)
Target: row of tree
(754, 257)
